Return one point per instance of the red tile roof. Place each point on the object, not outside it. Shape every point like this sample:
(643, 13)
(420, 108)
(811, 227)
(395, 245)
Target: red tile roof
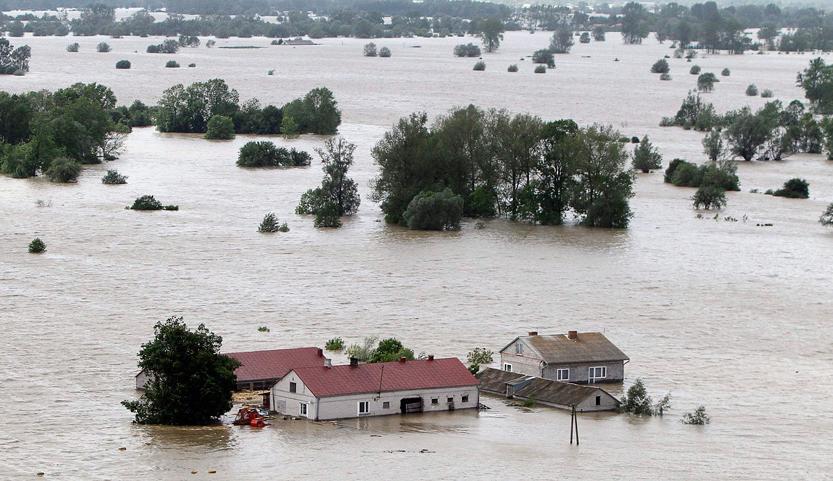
(385, 377)
(275, 363)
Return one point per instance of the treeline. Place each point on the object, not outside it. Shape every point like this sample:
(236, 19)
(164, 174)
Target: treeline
(488, 163)
(55, 132)
(190, 109)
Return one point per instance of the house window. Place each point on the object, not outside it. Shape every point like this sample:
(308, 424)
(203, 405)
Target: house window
(507, 367)
(364, 407)
(598, 400)
(562, 375)
(450, 400)
(435, 401)
(594, 373)
(519, 348)
(386, 405)
(293, 387)
(465, 398)
(304, 408)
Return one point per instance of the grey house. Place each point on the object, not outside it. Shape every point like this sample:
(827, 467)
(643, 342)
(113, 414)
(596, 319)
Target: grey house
(558, 394)
(583, 358)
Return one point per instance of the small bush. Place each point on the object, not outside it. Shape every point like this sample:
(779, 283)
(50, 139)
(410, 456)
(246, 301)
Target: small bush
(697, 418)
(63, 170)
(543, 56)
(434, 211)
(480, 66)
(726, 72)
(148, 202)
(467, 50)
(334, 344)
(752, 90)
(210, 43)
(270, 224)
(112, 177)
(794, 189)
(123, 64)
(540, 69)
(73, 47)
(661, 66)
(171, 64)
(695, 70)
(37, 246)
(384, 52)
(192, 65)
(826, 218)
(263, 329)
(665, 76)
(168, 46)
(767, 94)
(102, 47)
(369, 50)
(706, 81)
(220, 127)
(512, 68)
(266, 154)
(709, 197)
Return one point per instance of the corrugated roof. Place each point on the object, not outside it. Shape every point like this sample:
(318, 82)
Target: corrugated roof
(543, 390)
(385, 377)
(587, 347)
(275, 363)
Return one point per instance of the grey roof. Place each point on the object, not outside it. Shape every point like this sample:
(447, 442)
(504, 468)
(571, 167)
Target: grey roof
(587, 347)
(542, 390)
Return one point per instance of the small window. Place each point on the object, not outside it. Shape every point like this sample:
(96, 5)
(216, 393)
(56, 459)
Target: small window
(519, 348)
(435, 401)
(303, 409)
(562, 375)
(293, 387)
(507, 367)
(465, 398)
(598, 400)
(450, 400)
(386, 405)
(364, 407)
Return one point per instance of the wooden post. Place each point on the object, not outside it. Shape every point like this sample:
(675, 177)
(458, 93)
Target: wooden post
(573, 422)
(576, 416)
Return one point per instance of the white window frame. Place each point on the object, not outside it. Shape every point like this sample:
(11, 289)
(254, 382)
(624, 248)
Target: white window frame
(519, 348)
(562, 374)
(591, 377)
(507, 367)
(303, 409)
(366, 405)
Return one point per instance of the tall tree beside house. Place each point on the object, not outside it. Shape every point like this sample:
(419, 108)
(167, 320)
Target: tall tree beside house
(189, 381)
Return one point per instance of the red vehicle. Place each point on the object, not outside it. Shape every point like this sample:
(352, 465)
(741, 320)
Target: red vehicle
(251, 416)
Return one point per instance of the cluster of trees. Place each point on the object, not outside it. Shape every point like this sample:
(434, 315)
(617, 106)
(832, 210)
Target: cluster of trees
(637, 401)
(190, 109)
(338, 195)
(517, 166)
(13, 61)
(467, 50)
(267, 154)
(386, 350)
(793, 189)
(168, 46)
(712, 180)
(68, 127)
(817, 82)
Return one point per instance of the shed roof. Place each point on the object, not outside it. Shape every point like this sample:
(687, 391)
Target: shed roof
(543, 390)
(587, 347)
(345, 380)
(274, 363)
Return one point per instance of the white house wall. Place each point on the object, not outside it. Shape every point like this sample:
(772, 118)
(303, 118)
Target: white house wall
(528, 363)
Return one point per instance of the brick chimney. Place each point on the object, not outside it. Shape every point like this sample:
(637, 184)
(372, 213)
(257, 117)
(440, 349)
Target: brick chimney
(572, 335)
(430, 357)
(354, 362)
(402, 359)
(320, 352)
(533, 333)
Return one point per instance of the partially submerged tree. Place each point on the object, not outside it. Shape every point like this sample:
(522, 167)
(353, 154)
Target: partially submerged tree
(714, 146)
(270, 224)
(709, 196)
(477, 357)
(37, 246)
(112, 177)
(637, 401)
(706, 81)
(491, 33)
(369, 50)
(63, 170)
(220, 127)
(646, 157)
(697, 418)
(826, 218)
(434, 211)
(188, 381)
(794, 189)
(562, 40)
(661, 66)
(338, 195)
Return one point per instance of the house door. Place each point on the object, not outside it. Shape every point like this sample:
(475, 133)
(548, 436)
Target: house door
(411, 405)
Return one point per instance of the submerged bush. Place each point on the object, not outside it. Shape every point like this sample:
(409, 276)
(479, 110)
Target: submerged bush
(687, 174)
(220, 127)
(112, 177)
(695, 70)
(467, 50)
(37, 246)
(661, 66)
(540, 69)
(543, 56)
(480, 66)
(512, 68)
(334, 344)
(752, 90)
(665, 76)
(63, 170)
(73, 47)
(726, 72)
(637, 401)
(369, 50)
(706, 81)
(434, 211)
(766, 94)
(826, 218)
(697, 418)
(709, 196)
(271, 224)
(171, 64)
(148, 202)
(794, 189)
(384, 52)
(267, 154)
(103, 47)
(123, 64)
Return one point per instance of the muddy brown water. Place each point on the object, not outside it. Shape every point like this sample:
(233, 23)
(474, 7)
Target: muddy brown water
(725, 314)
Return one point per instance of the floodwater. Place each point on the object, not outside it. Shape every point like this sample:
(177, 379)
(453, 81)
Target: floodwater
(725, 314)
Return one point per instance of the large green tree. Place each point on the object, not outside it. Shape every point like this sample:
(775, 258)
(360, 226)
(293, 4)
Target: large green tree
(491, 33)
(817, 82)
(338, 194)
(635, 26)
(188, 381)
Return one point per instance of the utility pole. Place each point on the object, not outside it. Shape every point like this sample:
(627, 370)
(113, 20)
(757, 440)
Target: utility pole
(574, 422)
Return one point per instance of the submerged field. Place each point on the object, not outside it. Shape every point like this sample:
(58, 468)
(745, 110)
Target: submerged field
(725, 314)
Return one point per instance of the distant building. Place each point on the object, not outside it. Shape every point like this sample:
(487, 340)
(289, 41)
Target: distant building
(262, 369)
(587, 357)
(557, 394)
(359, 390)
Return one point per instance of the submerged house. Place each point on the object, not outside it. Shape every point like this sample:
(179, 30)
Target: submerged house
(359, 390)
(262, 369)
(557, 394)
(586, 357)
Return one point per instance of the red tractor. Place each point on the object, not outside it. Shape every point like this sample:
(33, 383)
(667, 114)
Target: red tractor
(251, 416)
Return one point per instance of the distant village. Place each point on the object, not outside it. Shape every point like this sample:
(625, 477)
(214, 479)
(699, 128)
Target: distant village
(561, 371)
